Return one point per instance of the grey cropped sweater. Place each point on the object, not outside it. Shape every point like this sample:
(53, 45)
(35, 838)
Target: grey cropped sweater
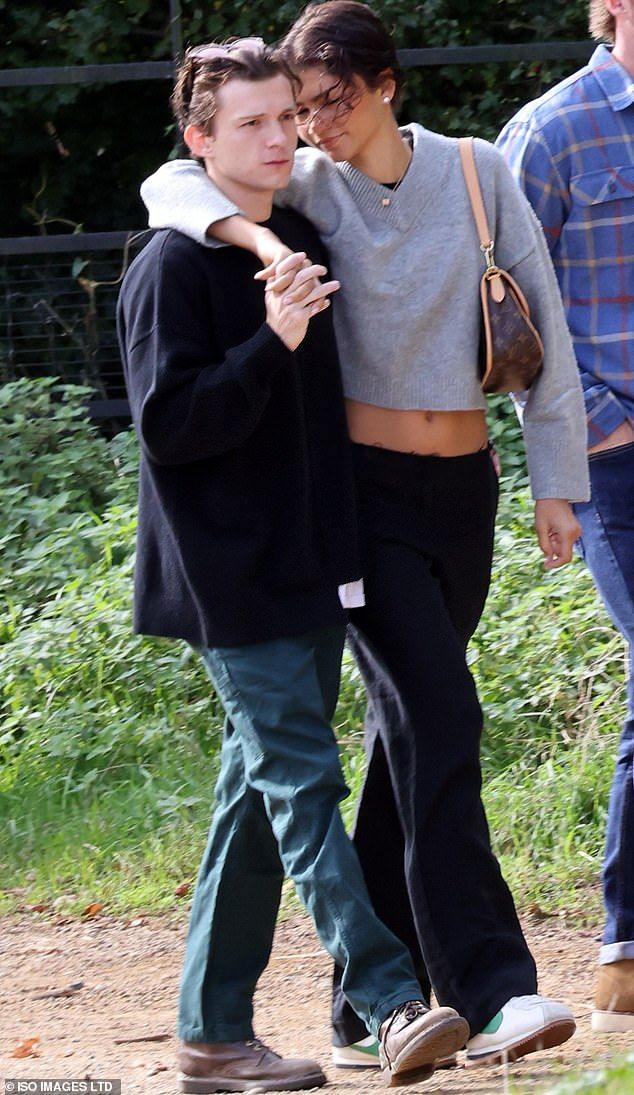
(407, 317)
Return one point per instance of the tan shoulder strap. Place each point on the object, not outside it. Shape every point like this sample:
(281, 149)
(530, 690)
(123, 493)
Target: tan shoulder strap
(492, 274)
(465, 145)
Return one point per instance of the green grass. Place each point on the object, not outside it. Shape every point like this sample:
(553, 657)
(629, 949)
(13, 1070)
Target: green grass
(128, 847)
(548, 824)
(128, 842)
(107, 782)
(612, 1080)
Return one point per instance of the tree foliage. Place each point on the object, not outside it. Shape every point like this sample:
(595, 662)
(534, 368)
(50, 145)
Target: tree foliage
(76, 154)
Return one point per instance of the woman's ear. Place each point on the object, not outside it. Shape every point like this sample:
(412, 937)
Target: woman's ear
(387, 86)
(201, 144)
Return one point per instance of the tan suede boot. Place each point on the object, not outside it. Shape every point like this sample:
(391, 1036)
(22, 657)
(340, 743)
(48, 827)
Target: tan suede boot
(614, 997)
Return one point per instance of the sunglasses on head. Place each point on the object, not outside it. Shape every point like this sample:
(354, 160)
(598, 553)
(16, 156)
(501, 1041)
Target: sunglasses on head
(210, 53)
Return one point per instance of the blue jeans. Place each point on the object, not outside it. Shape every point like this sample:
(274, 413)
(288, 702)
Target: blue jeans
(607, 545)
(277, 812)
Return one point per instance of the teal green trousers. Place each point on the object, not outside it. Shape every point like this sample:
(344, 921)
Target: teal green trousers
(277, 813)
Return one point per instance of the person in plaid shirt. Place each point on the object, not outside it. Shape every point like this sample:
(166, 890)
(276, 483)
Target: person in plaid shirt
(572, 152)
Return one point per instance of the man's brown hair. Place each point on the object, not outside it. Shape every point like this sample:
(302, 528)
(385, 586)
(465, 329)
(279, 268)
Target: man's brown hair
(204, 69)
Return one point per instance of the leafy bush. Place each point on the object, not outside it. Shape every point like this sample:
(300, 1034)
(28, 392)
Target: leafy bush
(82, 698)
(57, 476)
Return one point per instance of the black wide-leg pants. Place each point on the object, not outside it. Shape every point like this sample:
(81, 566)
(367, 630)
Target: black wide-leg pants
(421, 832)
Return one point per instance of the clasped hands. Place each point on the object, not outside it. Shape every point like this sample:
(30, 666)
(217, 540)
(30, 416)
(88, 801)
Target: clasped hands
(294, 294)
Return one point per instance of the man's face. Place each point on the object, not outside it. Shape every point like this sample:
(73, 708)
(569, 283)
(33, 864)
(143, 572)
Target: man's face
(254, 137)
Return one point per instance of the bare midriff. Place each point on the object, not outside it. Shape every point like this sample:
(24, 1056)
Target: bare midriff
(423, 432)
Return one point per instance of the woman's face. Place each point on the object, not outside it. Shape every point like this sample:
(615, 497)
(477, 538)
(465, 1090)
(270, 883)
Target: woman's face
(341, 118)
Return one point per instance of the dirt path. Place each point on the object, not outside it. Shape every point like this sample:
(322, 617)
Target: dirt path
(130, 974)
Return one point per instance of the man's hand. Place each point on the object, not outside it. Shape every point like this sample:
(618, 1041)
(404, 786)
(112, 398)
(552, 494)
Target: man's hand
(557, 529)
(287, 316)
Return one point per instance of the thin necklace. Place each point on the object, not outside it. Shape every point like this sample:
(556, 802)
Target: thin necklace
(394, 186)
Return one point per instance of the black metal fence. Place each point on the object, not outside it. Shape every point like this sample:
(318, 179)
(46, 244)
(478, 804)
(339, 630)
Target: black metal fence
(58, 293)
(57, 311)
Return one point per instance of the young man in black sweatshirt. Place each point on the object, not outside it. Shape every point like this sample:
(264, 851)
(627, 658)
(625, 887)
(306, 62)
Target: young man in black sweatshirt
(246, 529)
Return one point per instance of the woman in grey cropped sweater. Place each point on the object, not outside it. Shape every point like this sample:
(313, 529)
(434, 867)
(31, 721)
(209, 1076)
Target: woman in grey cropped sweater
(392, 207)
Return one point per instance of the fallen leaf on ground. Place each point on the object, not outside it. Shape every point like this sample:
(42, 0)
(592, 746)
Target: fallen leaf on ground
(183, 889)
(92, 909)
(27, 1047)
(41, 906)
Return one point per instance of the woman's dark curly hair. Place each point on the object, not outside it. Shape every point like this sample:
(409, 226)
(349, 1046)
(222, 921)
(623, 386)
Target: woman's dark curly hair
(347, 39)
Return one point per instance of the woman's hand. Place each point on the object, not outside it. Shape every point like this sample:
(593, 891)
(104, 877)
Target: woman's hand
(495, 459)
(282, 276)
(557, 529)
(270, 251)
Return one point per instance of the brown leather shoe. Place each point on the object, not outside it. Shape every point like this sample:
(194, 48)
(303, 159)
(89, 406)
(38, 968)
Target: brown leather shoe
(414, 1037)
(614, 997)
(207, 1067)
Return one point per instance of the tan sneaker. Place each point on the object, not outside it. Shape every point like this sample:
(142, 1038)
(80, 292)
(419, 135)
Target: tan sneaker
(208, 1067)
(414, 1037)
(614, 997)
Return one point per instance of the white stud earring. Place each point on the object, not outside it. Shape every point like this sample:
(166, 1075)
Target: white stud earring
(386, 99)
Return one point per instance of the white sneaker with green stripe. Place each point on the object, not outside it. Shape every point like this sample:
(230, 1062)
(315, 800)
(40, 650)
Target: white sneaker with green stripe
(365, 1054)
(525, 1024)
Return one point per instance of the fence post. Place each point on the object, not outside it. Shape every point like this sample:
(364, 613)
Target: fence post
(176, 29)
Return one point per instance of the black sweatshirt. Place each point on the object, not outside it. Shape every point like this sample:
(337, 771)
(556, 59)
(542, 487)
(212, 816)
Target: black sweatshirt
(246, 502)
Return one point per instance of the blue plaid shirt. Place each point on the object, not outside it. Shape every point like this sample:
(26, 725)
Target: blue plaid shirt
(572, 152)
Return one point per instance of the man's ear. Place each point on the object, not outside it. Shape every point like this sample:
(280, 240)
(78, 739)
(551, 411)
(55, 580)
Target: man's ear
(201, 144)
